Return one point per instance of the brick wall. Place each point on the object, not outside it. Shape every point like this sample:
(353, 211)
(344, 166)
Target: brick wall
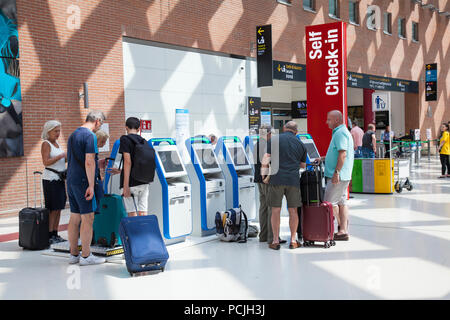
(55, 60)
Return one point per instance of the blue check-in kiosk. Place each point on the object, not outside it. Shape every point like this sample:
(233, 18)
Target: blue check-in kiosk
(250, 148)
(208, 185)
(238, 174)
(170, 192)
(111, 183)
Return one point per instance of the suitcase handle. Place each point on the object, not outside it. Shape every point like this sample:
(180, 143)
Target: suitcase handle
(35, 188)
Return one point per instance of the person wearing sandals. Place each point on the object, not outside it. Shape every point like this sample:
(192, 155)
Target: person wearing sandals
(444, 150)
(286, 154)
(54, 187)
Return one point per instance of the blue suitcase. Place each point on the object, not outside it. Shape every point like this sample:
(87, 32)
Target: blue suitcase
(143, 245)
(106, 223)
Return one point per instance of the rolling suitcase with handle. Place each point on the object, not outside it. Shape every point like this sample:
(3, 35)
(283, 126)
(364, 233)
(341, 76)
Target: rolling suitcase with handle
(317, 219)
(34, 224)
(107, 220)
(143, 245)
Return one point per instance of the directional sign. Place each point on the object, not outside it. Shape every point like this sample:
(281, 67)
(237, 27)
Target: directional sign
(264, 55)
(431, 82)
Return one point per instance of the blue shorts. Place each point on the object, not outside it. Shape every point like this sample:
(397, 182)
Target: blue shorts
(78, 203)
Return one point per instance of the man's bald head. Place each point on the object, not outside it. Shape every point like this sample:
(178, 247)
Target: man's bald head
(291, 126)
(334, 119)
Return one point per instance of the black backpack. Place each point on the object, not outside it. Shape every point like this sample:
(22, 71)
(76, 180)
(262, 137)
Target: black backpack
(143, 161)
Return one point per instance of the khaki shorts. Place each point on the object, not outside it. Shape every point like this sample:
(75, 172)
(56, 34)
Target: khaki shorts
(293, 196)
(336, 194)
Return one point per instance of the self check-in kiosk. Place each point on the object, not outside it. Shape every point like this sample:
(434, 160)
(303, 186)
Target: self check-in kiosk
(250, 148)
(238, 174)
(170, 192)
(311, 149)
(208, 185)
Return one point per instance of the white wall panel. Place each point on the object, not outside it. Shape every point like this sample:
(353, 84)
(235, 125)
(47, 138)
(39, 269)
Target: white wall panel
(213, 88)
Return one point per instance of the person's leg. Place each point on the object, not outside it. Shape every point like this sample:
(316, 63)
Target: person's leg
(87, 221)
(448, 165)
(73, 231)
(142, 200)
(275, 220)
(293, 223)
(343, 215)
(56, 221)
(275, 199)
(52, 217)
(263, 212)
(443, 164)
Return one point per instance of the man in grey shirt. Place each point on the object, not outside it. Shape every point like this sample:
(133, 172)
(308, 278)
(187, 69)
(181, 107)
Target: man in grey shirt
(286, 155)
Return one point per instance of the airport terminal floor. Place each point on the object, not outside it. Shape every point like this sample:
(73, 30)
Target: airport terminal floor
(398, 249)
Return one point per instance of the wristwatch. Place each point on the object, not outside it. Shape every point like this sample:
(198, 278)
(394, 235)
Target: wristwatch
(336, 171)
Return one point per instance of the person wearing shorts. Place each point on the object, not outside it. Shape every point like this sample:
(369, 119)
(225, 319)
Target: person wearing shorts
(135, 193)
(286, 155)
(338, 171)
(81, 179)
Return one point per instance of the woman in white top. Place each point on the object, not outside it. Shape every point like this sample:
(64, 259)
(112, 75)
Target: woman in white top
(54, 160)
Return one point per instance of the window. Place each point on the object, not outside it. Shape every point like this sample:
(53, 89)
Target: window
(309, 5)
(388, 23)
(402, 28)
(371, 19)
(287, 2)
(415, 31)
(353, 8)
(334, 8)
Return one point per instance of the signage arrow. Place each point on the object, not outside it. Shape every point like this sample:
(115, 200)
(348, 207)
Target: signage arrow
(251, 101)
(260, 30)
(279, 68)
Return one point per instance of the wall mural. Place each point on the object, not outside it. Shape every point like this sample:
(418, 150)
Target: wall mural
(11, 135)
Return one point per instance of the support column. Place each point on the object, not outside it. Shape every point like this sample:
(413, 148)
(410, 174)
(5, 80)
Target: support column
(369, 115)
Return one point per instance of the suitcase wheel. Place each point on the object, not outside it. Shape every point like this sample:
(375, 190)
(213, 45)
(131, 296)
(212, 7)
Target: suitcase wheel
(333, 243)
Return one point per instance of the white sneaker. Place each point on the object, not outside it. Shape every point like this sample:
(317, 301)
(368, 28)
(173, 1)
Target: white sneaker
(74, 259)
(91, 260)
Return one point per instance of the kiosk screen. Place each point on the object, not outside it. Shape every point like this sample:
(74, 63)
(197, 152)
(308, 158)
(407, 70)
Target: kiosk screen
(239, 157)
(311, 150)
(170, 161)
(207, 159)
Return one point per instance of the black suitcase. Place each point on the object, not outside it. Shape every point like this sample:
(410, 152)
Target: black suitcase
(33, 225)
(309, 181)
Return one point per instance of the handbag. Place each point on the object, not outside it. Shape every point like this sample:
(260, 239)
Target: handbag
(61, 174)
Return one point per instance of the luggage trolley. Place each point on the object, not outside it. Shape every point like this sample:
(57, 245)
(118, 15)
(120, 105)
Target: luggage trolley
(401, 171)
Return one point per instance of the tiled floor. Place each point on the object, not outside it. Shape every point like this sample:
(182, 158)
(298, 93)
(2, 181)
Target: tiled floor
(399, 249)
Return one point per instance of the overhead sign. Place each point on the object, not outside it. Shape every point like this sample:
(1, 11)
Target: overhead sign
(367, 81)
(264, 55)
(431, 82)
(289, 71)
(381, 101)
(254, 113)
(326, 78)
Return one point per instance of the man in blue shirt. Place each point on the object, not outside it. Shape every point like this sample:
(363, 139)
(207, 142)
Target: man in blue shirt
(338, 171)
(81, 175)
(286, 155)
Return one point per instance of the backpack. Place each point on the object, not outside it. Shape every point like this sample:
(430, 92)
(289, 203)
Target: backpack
(232, 225)
(143, 161)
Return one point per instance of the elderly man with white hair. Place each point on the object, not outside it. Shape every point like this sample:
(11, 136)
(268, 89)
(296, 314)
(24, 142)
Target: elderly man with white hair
(338, 171)
(286, 154)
